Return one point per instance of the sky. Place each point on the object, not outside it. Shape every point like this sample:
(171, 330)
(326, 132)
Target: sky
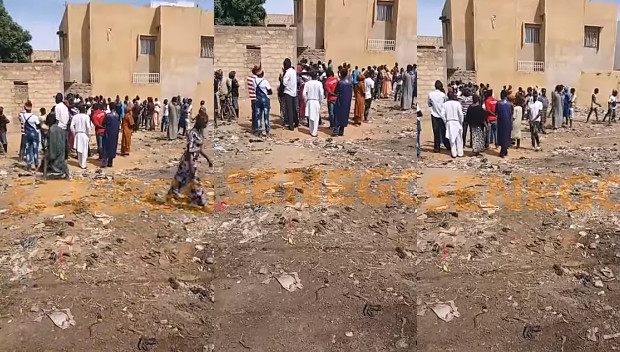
(42, 17)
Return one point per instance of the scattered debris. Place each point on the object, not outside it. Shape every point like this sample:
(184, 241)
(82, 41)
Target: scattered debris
(290, 282)
(530, 330)
(146, 343)
(62, 318)
(371, 310)
(611, 336)
(591, 334)
(446, 311)
(401, 344)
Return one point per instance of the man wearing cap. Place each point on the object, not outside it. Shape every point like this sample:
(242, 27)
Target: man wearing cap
(252, 93)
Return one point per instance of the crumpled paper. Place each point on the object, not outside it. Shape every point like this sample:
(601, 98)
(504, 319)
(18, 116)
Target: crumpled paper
(446, 311)
(62, 318)
(290, 282)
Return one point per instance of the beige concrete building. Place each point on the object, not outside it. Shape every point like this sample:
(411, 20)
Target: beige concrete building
(533, 42)
(158, 51)
(361, 32)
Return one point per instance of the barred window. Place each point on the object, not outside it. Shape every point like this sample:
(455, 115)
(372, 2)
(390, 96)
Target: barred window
(147, 45)
(532, 34)
(591, 37)
(385, 12)
(206, 47)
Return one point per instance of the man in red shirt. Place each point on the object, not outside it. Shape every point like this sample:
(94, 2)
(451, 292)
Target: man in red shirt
(97, 119)
(489, 105)
(330, 88)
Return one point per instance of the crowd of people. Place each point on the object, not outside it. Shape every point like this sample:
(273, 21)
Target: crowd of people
(464, 108)
(303, 91)
(73, 120)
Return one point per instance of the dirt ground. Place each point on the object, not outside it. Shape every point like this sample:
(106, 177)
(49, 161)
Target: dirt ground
(533, 269)
(138, 272)
(293, 253)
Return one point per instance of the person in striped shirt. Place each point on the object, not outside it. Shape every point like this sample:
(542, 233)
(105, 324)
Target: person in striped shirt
(251, 79)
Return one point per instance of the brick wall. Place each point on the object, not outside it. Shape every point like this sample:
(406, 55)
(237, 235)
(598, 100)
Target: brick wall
(431, 67)
(38, 82)
(83, 89)
(235, 47)
(312, 55)
(45, 55)
(462, 75)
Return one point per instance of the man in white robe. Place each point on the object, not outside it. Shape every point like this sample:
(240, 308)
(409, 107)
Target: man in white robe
(81, 126)
(313, 95)
(452, 116)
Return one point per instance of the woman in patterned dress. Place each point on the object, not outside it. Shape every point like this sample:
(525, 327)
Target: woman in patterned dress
(185, 177)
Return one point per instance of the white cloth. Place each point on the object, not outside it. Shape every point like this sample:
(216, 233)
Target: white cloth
(436, 100)
(62, 115)
(166, 109)
(262, 84)
(80, 126)
(314, 128)
(29, 118)
(158, 107)
(290, 82)
(313, 96)
(82, 158)
(452, 116)
(517, 116)
(535, 109)
(370, 85)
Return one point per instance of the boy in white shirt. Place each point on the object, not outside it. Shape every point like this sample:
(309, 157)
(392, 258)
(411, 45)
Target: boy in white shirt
(370, 87)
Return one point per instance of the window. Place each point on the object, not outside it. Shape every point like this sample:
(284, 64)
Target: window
(384, 12)
(206, 47)
(591, 37)
(253, 55)
(147, 45)
(532, 34)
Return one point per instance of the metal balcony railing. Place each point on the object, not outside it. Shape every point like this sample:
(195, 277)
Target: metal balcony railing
(531, 66)
(145, 78)
(381, 45)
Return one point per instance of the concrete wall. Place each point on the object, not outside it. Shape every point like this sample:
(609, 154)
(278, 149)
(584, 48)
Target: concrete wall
(617, 54)
(431, 67)
(312, 55)
(604, 81)
(276, 44)
(406, 32)
(44, 81)
(497, 40)
(343, 28)
(311, 23)
(116, 28)
(347, 28)
(461, 75)
(45, 55)
(459, 34)
(604, 15)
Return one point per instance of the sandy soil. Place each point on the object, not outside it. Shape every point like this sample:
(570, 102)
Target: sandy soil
(532, 270)
(141, 273)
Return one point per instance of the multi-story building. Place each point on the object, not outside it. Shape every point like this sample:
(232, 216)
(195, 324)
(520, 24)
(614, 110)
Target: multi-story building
(533, 42)
(360, 32)
(120, 49)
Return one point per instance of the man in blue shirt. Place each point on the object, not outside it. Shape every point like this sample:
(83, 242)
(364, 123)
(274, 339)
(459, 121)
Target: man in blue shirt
(356, 72)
